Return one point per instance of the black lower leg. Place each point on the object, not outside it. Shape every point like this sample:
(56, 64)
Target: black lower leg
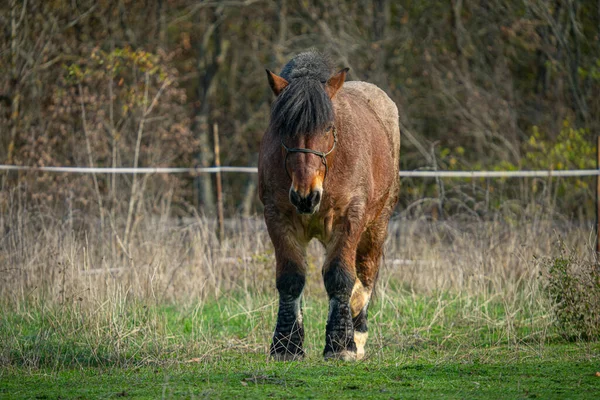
(360, 321)
(339, 333)
(289, 332)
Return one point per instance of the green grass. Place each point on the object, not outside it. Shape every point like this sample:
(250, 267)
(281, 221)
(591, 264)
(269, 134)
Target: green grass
(250, 376)
(444, 345)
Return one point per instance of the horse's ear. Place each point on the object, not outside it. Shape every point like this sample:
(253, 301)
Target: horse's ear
(276, 82)
(335, 82)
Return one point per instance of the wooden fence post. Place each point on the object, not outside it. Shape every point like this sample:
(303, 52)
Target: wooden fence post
(220, 222)
(597, 197)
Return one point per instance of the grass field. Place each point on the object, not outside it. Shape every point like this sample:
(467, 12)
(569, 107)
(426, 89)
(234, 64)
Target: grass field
(420, 347)
(460, 312)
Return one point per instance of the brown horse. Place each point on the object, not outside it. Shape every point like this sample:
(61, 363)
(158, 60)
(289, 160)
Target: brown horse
(328, 169)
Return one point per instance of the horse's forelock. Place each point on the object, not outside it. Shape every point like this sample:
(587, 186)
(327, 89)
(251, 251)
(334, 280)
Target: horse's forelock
(302, 108)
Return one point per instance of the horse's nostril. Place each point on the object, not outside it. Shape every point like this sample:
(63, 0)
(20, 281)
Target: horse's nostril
(315, 197)
(295, 198)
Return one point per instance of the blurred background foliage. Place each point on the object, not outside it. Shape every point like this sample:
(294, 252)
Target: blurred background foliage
(500, 84)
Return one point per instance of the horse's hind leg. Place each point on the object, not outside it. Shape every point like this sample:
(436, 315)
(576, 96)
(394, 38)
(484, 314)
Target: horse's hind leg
(368, 257)
(359, 305)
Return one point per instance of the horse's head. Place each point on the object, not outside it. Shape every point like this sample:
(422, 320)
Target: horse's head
(303, 117)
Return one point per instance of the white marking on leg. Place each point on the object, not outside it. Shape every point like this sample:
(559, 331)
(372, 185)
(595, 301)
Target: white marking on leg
(298, 308)
(360, 338)
(359, 298)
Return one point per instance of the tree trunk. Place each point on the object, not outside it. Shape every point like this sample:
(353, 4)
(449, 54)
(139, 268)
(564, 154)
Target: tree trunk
(381, 11)
(14, 82)
(209, 55)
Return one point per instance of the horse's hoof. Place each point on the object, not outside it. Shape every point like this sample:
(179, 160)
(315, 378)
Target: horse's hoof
(287, 356)
(344, 355)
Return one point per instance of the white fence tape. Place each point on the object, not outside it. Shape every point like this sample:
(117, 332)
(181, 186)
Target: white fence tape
(254, 170)
(142, 170)
(500, 174)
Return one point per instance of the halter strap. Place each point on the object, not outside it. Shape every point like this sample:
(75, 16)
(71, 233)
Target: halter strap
(310, 151)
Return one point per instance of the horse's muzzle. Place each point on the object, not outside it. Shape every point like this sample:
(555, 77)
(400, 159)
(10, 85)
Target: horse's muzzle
(308, 204)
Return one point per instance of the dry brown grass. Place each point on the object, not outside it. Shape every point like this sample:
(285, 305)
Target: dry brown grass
(60, 258)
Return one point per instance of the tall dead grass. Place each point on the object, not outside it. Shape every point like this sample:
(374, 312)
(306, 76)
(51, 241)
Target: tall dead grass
(71, 257)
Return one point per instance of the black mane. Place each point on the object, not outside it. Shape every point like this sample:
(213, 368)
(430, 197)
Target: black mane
(303, 107)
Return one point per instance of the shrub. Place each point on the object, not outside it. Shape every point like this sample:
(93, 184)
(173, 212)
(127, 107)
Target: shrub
(571, 197)
(573, 286)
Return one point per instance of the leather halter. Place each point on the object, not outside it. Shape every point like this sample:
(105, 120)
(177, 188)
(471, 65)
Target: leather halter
(310, 151)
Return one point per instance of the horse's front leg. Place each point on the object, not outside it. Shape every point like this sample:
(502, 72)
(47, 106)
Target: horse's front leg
(339, 276)
(289, 331)
(290, 279)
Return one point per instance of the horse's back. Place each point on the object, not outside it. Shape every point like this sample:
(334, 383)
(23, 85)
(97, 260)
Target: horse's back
(380, 104)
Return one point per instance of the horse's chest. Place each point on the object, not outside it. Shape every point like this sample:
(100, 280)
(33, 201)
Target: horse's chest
(317, 227)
